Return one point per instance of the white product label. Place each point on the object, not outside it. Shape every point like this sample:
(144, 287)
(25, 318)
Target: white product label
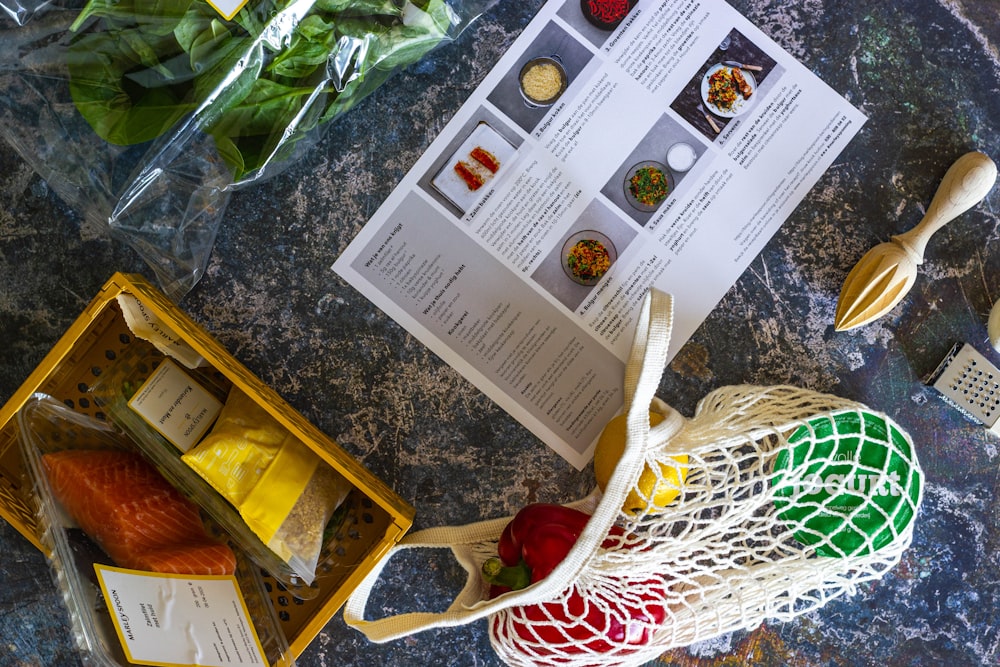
(180, 620)
(175, 405)
(145, 324)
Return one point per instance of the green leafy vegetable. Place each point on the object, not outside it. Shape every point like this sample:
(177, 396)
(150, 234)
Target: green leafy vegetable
(258, 83)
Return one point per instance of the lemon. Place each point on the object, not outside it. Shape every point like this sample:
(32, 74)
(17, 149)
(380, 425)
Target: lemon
(652, 492)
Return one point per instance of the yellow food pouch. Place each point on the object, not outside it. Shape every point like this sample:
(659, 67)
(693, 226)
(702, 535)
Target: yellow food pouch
(239, 449)
(271, 500)
(282, 489)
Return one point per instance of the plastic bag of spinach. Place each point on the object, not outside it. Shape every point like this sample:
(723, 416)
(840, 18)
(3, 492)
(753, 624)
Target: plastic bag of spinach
(145, 115)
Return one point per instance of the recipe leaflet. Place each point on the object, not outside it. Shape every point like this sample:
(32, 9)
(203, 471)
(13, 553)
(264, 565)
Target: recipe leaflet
(603, 155)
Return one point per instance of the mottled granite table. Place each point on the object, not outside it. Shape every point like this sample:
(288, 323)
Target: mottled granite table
(925, 72)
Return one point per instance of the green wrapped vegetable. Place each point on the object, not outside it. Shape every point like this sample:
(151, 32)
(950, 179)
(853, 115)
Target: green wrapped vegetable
(137, 68)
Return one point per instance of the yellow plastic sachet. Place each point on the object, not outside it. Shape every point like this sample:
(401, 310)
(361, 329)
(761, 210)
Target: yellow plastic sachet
(282, 489)
(241, 446)
(271, 500)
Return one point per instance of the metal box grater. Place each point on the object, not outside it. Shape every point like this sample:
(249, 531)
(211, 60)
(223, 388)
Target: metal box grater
(970, 382)
(377, 517)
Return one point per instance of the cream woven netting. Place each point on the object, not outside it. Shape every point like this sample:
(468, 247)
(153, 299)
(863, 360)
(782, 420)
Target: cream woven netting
(783, 499)
(777, 516)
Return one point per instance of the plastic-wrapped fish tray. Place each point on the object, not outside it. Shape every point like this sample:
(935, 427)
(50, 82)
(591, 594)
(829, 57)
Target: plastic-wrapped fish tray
(373, 517)
(48, 427)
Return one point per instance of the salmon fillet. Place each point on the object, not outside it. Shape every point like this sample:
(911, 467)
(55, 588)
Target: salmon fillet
(485, 158)
(142, 522)
(473, 180)
(745, 90)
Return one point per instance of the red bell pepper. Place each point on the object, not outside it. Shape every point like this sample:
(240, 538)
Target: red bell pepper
(578, 622)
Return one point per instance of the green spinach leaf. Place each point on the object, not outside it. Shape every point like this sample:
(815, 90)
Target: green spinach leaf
(108, 90)
(137, 67)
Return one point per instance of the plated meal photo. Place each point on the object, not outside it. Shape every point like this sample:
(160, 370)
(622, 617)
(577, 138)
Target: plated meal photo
(727, 90)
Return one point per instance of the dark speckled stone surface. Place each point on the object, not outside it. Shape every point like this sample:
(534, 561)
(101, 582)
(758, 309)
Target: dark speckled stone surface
(925, 72)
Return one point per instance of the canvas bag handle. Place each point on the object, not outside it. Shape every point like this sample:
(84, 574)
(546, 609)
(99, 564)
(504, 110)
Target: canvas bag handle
(473, 543)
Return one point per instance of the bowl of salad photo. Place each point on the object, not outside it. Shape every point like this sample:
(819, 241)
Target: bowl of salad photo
(587, 255)
(647, 185)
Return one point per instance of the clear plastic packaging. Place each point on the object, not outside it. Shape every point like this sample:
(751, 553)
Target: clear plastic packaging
(145, 116)
(276, 553)
(47, 426)
(280, 487)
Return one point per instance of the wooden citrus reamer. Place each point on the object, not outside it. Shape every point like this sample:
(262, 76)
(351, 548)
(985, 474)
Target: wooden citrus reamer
(887, 272)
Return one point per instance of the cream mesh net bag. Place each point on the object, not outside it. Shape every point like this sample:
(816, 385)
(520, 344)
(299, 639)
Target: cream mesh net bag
(766, 504)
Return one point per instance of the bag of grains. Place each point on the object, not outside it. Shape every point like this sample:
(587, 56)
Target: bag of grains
(282, 489)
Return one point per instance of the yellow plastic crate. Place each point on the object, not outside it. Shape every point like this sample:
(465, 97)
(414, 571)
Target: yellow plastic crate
(377, 517)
